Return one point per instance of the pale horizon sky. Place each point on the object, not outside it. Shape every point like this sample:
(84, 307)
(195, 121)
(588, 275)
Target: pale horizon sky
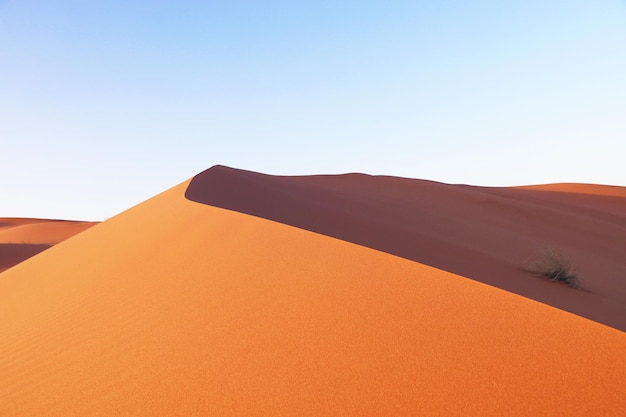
(104, 104)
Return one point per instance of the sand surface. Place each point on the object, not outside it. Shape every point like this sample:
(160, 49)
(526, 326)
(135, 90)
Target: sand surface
(179, 308)
(21, 238)
(593, 189)
(484, 233)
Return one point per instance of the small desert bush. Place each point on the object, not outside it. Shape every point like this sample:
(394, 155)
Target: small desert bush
(555, 267)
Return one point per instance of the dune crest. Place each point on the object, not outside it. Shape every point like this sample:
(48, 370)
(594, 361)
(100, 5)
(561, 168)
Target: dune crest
(178, 308)
(487, 234)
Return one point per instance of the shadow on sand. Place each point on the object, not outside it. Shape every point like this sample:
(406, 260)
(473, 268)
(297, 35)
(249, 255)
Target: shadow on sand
(483, 233)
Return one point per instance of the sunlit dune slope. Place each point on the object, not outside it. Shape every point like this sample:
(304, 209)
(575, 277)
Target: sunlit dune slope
(21, 238)
(594, 189)
(176, 308)
(485, 233)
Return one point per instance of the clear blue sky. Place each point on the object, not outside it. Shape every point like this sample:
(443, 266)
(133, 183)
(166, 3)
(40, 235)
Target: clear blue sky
(106, 103)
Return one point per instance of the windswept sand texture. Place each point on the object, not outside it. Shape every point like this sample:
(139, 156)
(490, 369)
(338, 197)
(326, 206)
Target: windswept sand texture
(178, 308)
(22, 238)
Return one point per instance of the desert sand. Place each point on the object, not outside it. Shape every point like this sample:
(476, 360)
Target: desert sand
(21, 238)
(485, 233)
(593, 189)
(180, 306)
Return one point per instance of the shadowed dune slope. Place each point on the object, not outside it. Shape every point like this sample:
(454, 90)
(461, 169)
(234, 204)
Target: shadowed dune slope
(21, 238)
(12, 254)
(175, 308)
(484, 233)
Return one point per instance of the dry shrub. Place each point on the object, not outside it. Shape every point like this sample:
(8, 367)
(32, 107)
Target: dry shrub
(555, 267)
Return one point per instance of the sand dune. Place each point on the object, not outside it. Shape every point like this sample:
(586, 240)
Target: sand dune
(12, 254)
(21, 238)
(593, 189)
(484, 233)
(179, 308)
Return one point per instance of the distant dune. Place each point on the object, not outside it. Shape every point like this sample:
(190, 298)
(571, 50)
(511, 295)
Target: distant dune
(593, 189)
(181, 307)
(21, 238)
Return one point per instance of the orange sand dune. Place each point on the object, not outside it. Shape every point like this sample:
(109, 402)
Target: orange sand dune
(608, 190)
(175, 308)
(484, 233)
(21, 238)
